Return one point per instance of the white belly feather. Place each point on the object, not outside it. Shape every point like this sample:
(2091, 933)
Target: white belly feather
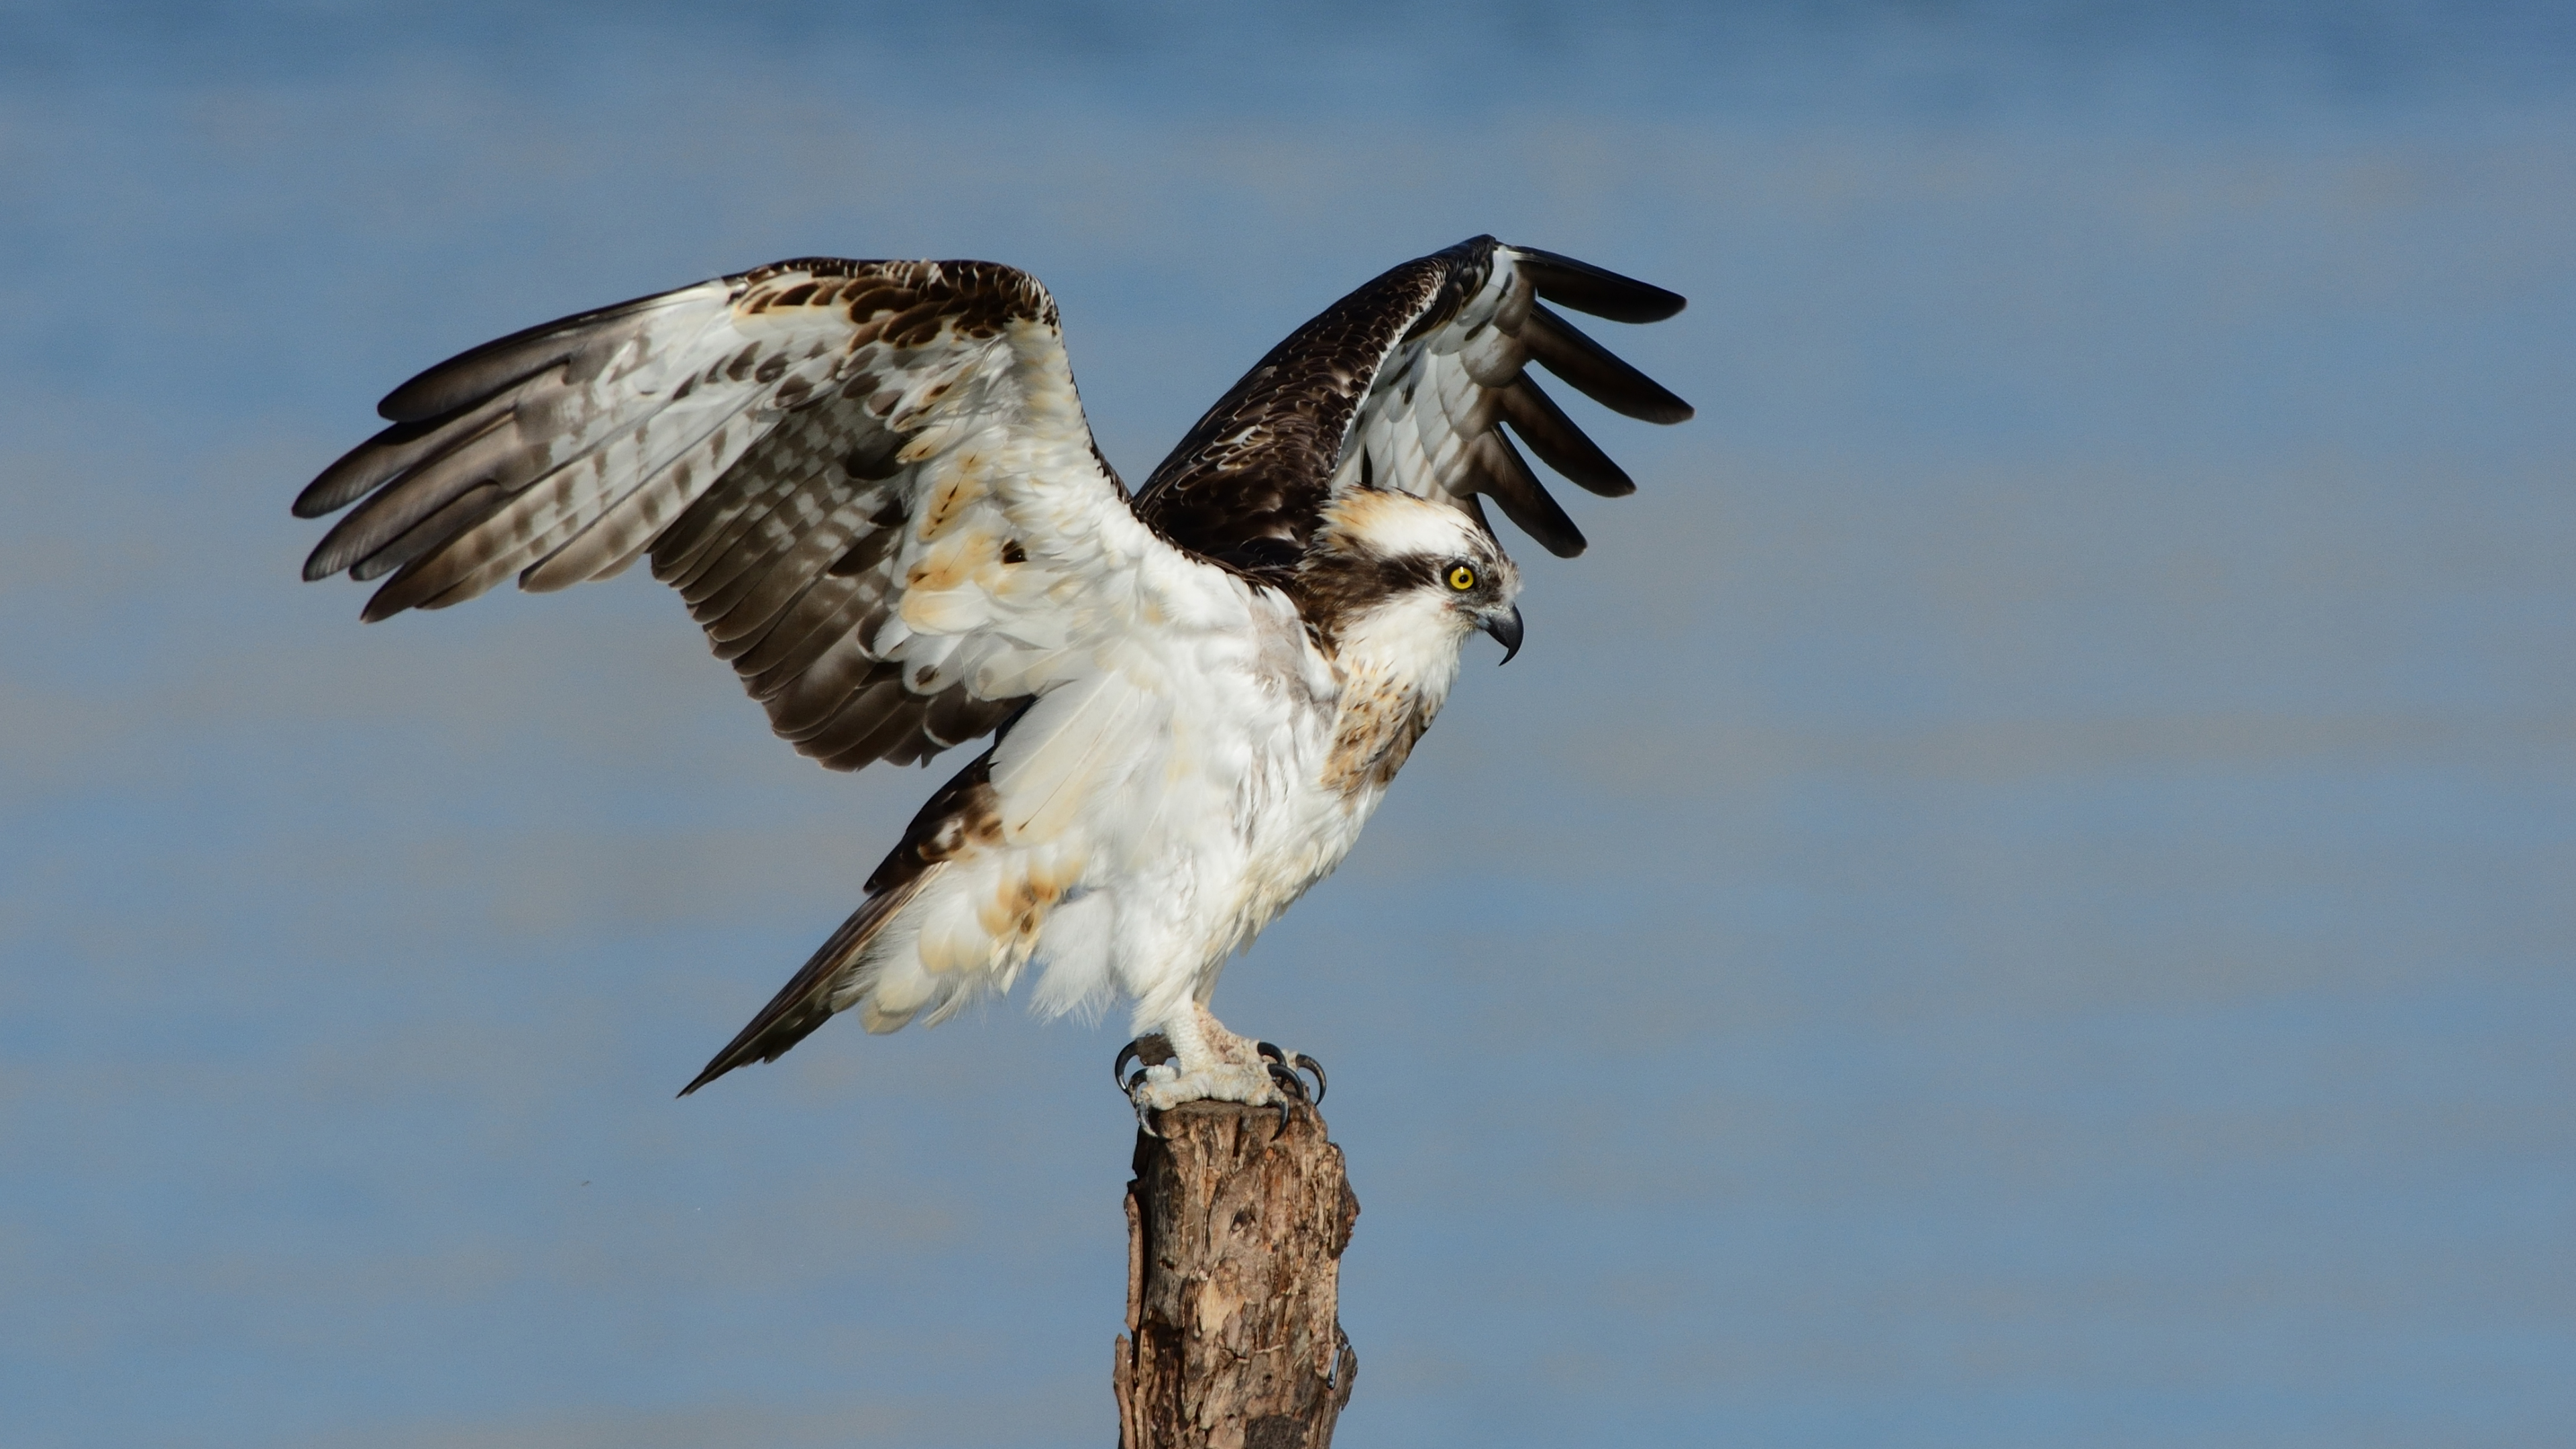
(1160, 810)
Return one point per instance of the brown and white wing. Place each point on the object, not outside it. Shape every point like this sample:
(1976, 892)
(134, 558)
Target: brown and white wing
(871, 481)
(1409, 383)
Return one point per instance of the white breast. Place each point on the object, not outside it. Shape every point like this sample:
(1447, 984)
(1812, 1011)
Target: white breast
(1161, 809)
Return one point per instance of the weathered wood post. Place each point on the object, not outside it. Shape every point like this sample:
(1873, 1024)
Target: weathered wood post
(1235, 1228)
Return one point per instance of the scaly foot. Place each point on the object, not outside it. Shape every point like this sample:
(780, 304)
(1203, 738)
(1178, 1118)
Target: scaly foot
(1209, 1063)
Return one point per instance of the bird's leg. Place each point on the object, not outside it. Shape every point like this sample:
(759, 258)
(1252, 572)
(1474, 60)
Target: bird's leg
(1195, 1059)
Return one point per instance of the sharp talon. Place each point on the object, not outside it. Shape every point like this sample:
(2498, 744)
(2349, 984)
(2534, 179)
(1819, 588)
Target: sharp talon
(1153, 1049)
(1283, 1119)
(1298, 1061)
(1305, 1063)
(1145, 1121)
(1287, 1080)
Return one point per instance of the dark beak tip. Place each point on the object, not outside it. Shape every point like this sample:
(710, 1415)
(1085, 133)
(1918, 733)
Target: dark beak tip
(1506, 629)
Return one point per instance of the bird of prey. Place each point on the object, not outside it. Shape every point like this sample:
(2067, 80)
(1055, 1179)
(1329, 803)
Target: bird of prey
(873, 485)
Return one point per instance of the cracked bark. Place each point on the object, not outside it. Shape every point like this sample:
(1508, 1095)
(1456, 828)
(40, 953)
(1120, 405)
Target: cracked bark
(1235, 1231)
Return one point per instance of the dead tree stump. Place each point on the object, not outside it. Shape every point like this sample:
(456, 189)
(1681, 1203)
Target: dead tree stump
(1235, 1231)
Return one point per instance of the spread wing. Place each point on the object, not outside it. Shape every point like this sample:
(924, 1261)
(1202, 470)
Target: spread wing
(871, 482)
(1408, 383)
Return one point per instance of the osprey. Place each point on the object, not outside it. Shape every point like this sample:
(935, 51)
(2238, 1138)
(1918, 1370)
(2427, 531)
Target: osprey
(873, 485)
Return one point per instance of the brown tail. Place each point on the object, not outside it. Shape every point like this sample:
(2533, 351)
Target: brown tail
(804, 1003)
(961, 813)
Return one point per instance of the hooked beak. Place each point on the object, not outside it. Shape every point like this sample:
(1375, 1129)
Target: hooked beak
(1506, 629)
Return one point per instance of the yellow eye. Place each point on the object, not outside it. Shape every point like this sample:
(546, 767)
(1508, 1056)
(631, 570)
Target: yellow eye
(1462, 578)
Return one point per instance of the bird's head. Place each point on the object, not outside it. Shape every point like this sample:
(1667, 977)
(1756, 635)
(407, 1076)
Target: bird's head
(1396, 567)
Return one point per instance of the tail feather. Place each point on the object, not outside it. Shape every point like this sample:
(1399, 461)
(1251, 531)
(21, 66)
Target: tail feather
(805, 1002)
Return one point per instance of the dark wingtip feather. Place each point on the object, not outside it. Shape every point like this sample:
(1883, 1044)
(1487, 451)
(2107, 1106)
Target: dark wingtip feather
(357, 538)
(478, 372)
(1596, 290)
(385, 602)
(470, 377)
(1596, 372)
(1504, 476)
(351, 475)
(1559, 443)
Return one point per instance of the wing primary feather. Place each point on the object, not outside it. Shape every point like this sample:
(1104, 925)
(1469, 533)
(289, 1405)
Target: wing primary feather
(395, 451)
(1596, 290)
(430, 487)
(1598, 375)
(548, 512)
(462, 512)
(477, 373)
(1504, 476)
(1559, 443)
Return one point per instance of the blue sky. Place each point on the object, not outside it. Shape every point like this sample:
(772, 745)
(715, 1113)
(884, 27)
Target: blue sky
(2018, 895)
